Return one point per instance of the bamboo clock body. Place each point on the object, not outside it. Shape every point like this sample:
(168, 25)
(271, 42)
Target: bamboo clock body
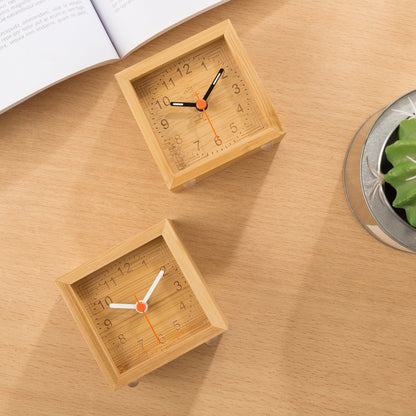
(181, 313)
(189, 142)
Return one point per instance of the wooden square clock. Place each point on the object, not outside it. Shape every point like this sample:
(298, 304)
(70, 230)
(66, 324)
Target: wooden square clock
(200, 105)
(141, 305)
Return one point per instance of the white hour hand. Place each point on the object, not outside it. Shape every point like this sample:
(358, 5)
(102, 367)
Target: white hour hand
(122, 305)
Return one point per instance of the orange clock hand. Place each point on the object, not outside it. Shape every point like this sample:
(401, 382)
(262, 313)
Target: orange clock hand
(202, 105)
(147, 319)
(141, 307)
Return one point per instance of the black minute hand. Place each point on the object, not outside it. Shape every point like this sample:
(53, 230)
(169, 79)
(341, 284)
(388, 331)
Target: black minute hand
(217, 77)
(181, 104)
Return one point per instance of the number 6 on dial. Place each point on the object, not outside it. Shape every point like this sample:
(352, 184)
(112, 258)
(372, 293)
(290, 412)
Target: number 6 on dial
(141, 305)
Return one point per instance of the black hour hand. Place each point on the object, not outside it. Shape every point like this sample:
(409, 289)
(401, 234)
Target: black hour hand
(217, 77)
(182, 104)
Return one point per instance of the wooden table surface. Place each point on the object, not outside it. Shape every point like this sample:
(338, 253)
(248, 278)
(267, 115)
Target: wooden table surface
(322, 316)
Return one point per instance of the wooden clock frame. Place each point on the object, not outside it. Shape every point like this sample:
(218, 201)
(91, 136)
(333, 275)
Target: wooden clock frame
(273, 132)
(194, 278)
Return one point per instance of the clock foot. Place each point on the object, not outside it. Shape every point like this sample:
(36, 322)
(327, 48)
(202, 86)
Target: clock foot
(134, 383)
(189, 184)
(268, 146)
(212, 341)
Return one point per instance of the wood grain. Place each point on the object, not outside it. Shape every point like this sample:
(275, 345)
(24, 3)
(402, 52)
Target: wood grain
(321, 315)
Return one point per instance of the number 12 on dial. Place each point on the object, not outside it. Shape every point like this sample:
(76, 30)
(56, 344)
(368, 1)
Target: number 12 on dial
(200, 105)
(141, 305)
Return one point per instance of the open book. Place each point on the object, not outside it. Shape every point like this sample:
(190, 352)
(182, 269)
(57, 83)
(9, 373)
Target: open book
(43, 42)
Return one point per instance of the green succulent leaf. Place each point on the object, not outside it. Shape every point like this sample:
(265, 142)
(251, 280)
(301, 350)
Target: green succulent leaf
(402, 155)
(401, 151)
(407, 129)
(406, 189)
(411, 215)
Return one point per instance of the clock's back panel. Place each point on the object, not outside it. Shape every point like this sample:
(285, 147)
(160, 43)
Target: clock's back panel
(184, 134)
(174, 311)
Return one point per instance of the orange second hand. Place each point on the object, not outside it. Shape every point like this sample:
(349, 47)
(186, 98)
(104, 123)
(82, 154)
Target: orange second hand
(209, 121)
(147, 319)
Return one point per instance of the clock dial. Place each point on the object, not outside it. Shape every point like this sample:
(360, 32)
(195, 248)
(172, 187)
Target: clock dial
(188, 136)
(200, 105)
(141, 304)
(173, 310)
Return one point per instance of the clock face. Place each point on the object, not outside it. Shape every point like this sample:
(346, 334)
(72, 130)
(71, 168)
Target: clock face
(141, 304)
(200, 105)
(188, 136)
(173, 312)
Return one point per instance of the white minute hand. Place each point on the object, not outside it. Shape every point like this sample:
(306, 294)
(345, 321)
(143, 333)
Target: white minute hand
(154, 284)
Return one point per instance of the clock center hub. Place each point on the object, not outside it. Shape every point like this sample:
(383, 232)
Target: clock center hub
(201, 104)
(141, 307)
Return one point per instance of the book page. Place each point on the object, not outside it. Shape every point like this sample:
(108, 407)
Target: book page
(131, 23)
(45, 41)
